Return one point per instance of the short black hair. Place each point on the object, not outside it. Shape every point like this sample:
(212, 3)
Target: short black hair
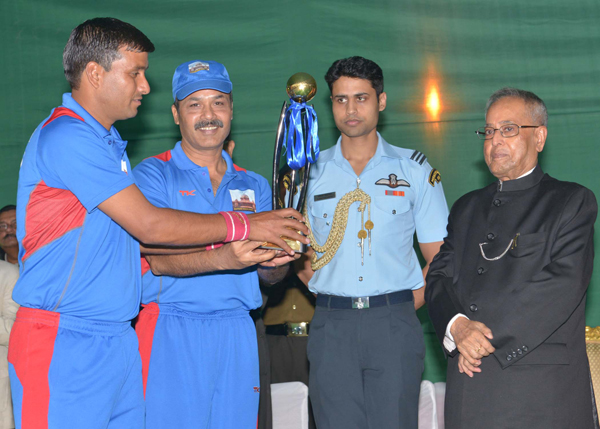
(8, 208)
(99, 40)
(176, 102)
(357, 67)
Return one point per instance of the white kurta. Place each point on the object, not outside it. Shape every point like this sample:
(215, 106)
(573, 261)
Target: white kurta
(9, 274)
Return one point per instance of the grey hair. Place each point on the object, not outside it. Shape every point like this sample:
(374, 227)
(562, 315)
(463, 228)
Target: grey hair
(537, 108)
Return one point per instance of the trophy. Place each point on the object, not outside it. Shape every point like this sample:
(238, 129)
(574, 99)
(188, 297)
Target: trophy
(296, 148)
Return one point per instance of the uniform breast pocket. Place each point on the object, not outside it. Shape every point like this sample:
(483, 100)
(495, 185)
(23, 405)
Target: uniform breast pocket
(393, 215)
(529, 244)
(321, 218)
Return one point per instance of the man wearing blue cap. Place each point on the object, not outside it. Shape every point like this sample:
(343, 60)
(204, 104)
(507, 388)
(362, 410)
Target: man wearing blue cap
(197, 340)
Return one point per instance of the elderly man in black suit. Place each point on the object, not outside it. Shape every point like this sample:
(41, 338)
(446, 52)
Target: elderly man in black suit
(507, 291)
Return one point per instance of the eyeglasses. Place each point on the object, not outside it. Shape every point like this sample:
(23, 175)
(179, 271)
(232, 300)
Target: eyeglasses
(4, 226)
(507, 130)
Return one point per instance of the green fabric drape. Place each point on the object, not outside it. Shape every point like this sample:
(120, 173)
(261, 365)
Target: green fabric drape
(461, 49)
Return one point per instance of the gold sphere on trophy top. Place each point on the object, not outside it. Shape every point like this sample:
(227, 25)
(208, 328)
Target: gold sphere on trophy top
(301, 87)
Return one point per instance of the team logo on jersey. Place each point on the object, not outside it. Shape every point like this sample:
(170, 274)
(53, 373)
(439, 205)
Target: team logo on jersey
(434, 177)
(243, 200)
(197, 66)
(124, 166)
(393, 182)
(256, 389)
(191, 193)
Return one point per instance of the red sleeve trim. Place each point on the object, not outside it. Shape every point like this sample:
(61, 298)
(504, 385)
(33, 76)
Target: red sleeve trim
(50, 214)
(62, 111)
(165, 156)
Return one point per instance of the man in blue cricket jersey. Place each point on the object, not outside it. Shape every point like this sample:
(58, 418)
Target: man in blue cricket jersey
(197, 340)
(73, 356)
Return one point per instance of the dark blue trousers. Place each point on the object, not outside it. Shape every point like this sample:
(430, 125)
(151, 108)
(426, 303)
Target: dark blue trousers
(366, 367)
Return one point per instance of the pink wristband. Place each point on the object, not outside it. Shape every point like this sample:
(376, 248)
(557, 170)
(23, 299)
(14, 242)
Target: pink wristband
(242, 224)
(238, 226)
(230, 226)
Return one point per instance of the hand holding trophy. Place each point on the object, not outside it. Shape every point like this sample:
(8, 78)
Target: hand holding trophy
(297, 139)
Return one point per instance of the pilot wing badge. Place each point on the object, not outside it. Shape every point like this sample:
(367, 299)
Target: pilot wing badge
(393, 182)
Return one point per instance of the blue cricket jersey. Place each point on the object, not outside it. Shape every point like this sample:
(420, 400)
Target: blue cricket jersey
(172, 180)
(73, 258)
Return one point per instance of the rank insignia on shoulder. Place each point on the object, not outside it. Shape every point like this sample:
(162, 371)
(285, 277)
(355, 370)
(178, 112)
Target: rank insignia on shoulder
(418, 157)
(393, 182)
(434, 177)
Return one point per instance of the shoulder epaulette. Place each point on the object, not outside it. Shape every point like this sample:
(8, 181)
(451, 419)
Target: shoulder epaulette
(418, 157)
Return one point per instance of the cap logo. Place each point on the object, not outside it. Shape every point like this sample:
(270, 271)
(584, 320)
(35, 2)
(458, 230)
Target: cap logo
(197, 66)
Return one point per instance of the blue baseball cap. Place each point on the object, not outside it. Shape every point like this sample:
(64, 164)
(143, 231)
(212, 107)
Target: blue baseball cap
(196, 75)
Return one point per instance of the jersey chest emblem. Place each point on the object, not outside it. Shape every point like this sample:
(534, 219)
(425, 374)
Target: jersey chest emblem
(243, 200)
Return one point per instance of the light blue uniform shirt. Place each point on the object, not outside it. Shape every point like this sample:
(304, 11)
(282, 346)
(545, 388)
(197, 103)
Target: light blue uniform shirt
(397, 212)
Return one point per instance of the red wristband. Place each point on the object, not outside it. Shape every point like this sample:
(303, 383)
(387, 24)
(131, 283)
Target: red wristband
(238, 226)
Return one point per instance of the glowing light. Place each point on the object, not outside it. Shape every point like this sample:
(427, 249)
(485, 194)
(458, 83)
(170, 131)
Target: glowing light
(433, 103)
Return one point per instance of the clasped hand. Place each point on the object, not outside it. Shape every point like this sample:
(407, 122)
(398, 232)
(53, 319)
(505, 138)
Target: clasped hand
(271, 226)
(238, 255)
(472, 340)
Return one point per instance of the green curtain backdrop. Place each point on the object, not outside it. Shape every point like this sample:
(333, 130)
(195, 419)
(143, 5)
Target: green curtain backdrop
(463, 49)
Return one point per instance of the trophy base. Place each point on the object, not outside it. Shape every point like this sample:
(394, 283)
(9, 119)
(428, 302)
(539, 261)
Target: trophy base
(296, 246)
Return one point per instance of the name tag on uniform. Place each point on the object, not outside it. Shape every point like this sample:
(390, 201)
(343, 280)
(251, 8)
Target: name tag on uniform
(326, 196)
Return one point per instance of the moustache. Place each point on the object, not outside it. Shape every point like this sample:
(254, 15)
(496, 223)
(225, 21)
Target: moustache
(211, 123)
(10, 236)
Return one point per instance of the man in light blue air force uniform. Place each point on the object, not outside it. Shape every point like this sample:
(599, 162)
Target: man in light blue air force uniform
(366, 198)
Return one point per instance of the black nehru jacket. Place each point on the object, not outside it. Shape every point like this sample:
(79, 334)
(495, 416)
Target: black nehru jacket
(532, 298)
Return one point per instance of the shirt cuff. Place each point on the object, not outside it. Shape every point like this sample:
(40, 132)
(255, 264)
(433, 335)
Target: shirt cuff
(449, 343)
